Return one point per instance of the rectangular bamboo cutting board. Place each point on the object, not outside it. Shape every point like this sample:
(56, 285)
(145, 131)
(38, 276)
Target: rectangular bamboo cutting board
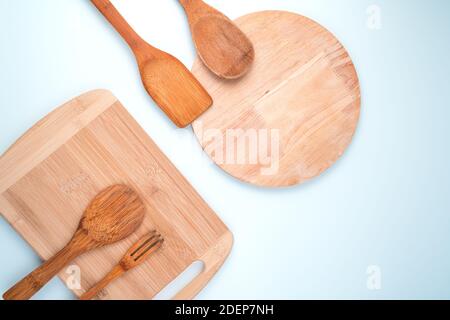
(48, 177)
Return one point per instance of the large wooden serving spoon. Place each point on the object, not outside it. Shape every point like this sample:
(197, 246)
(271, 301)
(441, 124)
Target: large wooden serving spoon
(171, 85)
(221, 45)
(113, 215)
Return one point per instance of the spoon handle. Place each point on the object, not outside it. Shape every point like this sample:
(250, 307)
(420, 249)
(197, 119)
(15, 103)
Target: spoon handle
(118, 22)
(196, 9)
(33, 282)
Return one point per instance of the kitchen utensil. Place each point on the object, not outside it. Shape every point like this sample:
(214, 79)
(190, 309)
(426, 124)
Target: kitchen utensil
(48, 177)
(171, 85)
(290, 118)
(113, 215)
(221, 45)
(135, 256)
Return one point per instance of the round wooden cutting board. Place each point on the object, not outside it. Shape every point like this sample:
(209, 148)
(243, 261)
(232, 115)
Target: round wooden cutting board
(296, 111)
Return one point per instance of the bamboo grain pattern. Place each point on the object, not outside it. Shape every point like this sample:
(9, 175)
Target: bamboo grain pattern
(49, 176)
(136, 255)
(303, 83)
(112, 215)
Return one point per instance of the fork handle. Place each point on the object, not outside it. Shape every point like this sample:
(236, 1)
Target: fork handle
(115, 273)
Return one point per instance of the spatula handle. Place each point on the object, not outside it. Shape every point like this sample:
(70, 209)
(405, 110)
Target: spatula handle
(118, 22)
(187, 2)
(32, 283)
(192, 5)
(115, 273)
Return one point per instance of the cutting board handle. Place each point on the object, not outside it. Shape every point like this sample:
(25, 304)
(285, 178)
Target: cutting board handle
(32, 283)
(213, 260)
(63, 125)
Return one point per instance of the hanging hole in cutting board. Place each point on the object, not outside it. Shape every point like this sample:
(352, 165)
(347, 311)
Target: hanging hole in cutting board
(180, 282)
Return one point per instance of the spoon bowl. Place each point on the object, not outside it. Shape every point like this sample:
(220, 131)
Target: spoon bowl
(221, 45)
(112, 215)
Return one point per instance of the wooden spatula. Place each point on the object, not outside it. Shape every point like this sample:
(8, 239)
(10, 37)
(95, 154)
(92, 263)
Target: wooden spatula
(113, 215)
(171, 85)
(221, 45)
(132, 258)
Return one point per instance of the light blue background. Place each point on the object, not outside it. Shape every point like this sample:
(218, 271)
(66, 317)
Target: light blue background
(385, 203)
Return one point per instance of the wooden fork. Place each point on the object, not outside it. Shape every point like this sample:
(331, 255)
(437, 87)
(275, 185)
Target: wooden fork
(132, 258)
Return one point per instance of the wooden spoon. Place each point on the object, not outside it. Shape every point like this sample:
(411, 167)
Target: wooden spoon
(113, 215)
(171, 85)
(297, 111)
(221, 45)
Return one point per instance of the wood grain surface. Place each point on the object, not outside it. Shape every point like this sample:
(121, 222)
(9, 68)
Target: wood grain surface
(302, 96)
(167, 80)
(221, 45)
(135, 256)
(114, 214)
(49, 176)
